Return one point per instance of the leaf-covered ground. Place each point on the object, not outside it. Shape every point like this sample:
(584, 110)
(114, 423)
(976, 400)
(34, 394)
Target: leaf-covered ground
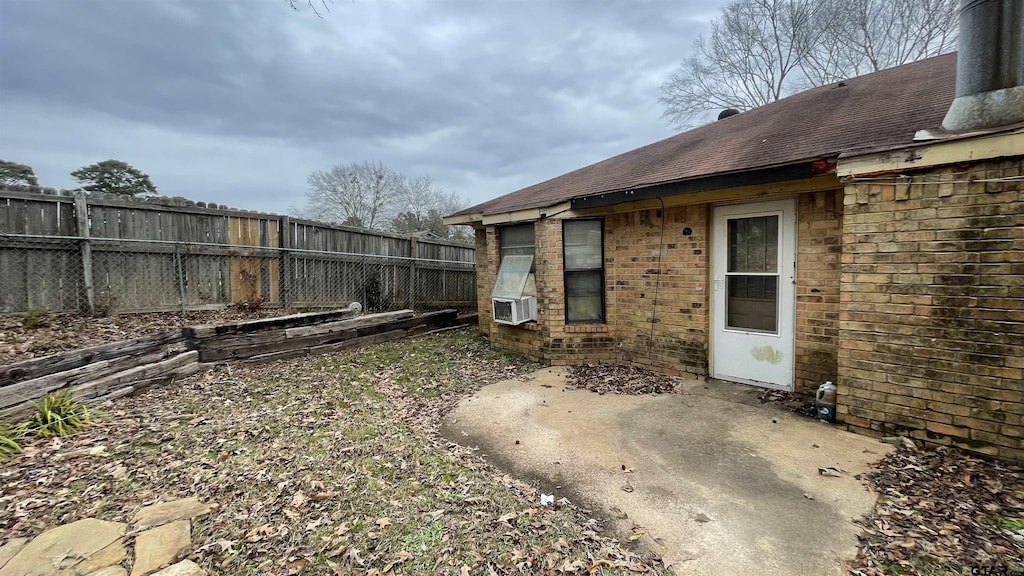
(943, 512)
(616, 379)
(793, 401)
(326, 465)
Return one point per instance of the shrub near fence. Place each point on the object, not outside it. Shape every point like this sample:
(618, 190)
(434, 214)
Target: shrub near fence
(74, 251)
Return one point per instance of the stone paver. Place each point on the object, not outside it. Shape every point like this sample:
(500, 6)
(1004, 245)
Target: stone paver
(94, 547)
(63, 547)
(109, 556)
(164, 512)
(183, 568)
(110, 571)
(159, 546)
(8, 550)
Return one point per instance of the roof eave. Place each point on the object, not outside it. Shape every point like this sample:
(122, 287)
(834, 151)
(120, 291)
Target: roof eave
(726, 180)
(510, 217)
(466, 219)
(793, 172)
(1007, 142)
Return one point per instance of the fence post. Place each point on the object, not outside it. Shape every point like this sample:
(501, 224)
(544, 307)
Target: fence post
(181, 278)
(284, 237)
(82, 222)
(412, 272)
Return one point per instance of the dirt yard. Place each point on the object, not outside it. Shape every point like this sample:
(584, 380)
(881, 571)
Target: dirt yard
(327, 465)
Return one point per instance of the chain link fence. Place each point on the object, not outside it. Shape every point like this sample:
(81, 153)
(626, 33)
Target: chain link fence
(110, 276)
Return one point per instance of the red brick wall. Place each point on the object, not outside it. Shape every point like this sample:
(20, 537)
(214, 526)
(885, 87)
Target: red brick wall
(526, 339)
(636, 285)
(632, 242)
(932, 308)
(673, 291)
(819, 250)
(486, 273)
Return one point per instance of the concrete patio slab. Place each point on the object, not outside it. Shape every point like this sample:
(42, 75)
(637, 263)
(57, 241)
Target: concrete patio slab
(723, 484)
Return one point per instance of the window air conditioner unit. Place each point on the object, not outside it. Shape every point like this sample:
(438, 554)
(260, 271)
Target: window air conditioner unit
(508, 301)
(514, 311)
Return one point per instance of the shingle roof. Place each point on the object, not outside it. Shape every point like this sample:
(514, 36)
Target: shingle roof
(877, 110)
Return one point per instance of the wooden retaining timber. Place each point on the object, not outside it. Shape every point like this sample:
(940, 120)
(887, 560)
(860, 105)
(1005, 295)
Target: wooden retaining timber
(228, 345)
(209, 330)
(34, 388)
(37, 367)
(140, 377)
(370, 334)
(117, 369)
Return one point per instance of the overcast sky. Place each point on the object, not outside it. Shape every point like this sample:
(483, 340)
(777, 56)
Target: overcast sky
(237, 101)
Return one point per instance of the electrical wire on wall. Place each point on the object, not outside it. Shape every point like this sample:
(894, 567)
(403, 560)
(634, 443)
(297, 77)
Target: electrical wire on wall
(657, 279)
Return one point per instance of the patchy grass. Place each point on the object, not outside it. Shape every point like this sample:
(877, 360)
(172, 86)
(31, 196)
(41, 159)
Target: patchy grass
(326, 465)
(1011, 524)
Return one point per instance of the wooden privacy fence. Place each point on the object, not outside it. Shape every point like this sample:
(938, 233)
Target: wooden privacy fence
(68, 251)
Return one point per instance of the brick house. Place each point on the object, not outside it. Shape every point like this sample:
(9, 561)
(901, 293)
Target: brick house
(811, 239)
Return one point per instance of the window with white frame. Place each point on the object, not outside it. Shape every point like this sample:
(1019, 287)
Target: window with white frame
(583, 249)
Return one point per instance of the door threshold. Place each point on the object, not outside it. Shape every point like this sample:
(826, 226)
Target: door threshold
(756, 383)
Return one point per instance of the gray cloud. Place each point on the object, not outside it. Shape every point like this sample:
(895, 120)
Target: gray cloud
(236, 101)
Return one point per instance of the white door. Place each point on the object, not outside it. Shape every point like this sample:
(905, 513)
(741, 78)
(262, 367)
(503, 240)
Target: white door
(753, 271)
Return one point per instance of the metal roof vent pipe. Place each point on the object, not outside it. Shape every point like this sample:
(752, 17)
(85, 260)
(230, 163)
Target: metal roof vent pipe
(989, 66)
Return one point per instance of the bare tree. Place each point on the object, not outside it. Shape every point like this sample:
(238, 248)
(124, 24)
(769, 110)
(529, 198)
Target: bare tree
(754, 50)
(871, 35)
(316, 7)
(423, 208)
(418, 195)
(356, 194)
(371, 195)
(762, 50)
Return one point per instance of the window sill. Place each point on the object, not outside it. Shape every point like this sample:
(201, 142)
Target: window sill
(586, 328)
(531, 326)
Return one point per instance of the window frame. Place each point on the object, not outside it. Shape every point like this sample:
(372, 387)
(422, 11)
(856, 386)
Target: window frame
(501, 243)
(776, 274)
(602, 272)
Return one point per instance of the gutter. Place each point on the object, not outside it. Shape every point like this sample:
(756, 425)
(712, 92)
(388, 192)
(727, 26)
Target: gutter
(768, 175)
(772, 175)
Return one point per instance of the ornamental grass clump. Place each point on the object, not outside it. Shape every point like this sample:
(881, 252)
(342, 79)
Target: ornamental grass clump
(10, 439)
(59, 414)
